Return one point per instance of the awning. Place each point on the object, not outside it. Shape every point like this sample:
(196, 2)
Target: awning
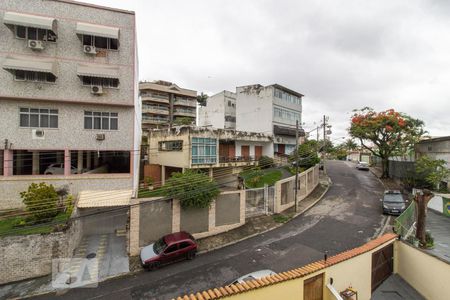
(12, 18)
(88, 199)
(12, 64)
(97, 30)
(96, 71)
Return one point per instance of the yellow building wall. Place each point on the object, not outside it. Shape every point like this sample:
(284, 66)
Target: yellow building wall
(427, 274)
(288, 290)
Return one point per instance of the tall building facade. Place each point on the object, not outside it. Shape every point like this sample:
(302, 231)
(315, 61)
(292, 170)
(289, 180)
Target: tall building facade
(272, 110)
(165, 104)
(219, 111)
(68, 97)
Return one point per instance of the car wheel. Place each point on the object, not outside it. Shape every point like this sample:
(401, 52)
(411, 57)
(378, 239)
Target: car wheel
(154, 266)
(191, 255)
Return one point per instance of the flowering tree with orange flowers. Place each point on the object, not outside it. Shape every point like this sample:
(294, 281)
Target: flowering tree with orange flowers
(391, 133)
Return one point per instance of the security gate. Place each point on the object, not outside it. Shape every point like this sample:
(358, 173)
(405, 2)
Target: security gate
(382, 265)
(259, 201)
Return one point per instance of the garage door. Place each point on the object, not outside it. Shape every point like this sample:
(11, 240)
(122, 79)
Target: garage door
(382, 265)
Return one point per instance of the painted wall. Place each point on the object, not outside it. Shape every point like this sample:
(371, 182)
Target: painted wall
(427, 274)
(254, 109)
(213, 114)
(267, 148)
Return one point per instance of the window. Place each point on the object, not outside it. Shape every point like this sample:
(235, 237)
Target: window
(184, 245)
(38, 117)
(101, 120)
(285, 114)
(171, 249)
(287, 97)
(101, 42)
(32, 33)
(204, 151)
(171, 146)
(21, 75)
(104, 82)
(229, 103)
(230, 119)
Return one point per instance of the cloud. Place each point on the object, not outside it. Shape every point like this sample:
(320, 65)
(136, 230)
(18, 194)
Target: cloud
(341, 55)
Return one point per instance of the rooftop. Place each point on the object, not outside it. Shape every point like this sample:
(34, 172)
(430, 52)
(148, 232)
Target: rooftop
(96, 6)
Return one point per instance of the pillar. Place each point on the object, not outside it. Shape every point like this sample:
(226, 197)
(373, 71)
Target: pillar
(80, 161)
(35, 163)
(211, 173)
(88, 160)
(19, 162)
(96, 159)
(163, 175)
(7, 162)
(67, 164)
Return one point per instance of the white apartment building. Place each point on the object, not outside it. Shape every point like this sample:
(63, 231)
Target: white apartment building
(219, 112)
(272, 110)
(68, 97)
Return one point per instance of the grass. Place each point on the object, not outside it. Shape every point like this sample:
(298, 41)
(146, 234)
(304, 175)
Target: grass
(281, 218)
(259, 178)
(153, 193)
(7, 226)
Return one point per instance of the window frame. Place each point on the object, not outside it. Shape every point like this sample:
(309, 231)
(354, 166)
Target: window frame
(100, 81)
(93, 42)
(200, 148)
(51, 114)
(36, 75)
(37, 34)
(176, 145)
(100, 117)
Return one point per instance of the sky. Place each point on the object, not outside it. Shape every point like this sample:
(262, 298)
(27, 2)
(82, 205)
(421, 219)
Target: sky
(342, 55)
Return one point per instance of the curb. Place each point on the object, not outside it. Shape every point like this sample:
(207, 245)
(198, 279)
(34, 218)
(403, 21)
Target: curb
(270, 229)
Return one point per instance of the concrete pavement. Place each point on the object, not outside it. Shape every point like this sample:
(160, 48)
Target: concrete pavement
(348, 216)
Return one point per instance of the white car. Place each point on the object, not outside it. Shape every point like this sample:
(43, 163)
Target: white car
(362, 165)
(58, 169)
(254, 275)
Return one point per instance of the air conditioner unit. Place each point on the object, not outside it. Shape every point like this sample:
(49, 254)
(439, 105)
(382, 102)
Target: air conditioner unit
(89, 49)
(97, 89)
(35, 45)
(37, 134)
(100, 137)
(279, 140)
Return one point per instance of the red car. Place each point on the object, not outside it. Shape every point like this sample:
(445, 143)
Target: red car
(169, 248)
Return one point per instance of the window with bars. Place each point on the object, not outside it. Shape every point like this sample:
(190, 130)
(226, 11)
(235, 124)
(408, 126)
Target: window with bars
(104, 82)
(171, 145)
(38, 117)
(101, 120)
(204, 151)
(21, 75)
(101, 42)
(286, 114)
(287, 97)
(32, 33)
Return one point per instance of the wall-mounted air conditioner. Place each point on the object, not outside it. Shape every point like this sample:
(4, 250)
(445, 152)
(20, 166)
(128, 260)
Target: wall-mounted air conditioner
(37, 134)
(35, 45)
(88, 49)
(97, 89)
(100, 137)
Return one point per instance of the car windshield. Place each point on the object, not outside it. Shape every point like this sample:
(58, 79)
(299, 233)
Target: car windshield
(159, 246)
(393, 198)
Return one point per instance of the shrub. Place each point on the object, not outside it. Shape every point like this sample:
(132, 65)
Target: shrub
(192, 188)
(41, 201)
(265, 162)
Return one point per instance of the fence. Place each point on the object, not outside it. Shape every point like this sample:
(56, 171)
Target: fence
(405, 224)
(259, 201)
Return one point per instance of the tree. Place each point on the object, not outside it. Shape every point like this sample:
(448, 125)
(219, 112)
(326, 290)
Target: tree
(265, 162)
(350, 145)
(183, 121)
(201, 99)
(41, 201)
(391, 132)
(422, 200)
(192, 188)
(434, 171)
(307, 154)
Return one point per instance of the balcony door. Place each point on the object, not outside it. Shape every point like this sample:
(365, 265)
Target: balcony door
(258, 152)
(245, 152)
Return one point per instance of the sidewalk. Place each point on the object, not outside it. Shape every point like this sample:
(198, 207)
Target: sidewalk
(439, 226)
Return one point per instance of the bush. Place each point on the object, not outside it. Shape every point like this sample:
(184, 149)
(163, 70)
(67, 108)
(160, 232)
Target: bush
(192, 188)
(265, 162)
(41, 200)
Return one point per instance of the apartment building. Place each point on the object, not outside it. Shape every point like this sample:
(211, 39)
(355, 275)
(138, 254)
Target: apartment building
(219, 111)
(221, 153)
(165, 104)
(68, 97)
(272, 110)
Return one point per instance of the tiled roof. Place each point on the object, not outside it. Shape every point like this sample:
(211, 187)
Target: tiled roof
(233, 289)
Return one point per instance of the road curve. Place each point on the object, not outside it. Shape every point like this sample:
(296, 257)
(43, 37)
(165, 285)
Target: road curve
(346, 217)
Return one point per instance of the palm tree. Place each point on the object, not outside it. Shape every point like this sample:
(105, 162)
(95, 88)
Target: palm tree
(201, 99)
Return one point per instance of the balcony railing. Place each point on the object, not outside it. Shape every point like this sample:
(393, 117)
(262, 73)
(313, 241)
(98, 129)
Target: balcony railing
(228, 159)
(155, 109)
(154, 98)
(154, 120)
(185, 102)
(184, 112)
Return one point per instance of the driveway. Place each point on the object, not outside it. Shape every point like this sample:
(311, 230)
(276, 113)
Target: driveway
(348, 216)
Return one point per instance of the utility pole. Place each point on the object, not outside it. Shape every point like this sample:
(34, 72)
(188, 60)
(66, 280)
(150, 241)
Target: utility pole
(324, 134)
(296, 166)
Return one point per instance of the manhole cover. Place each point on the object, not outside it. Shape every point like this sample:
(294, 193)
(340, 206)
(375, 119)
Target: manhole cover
(91, 255)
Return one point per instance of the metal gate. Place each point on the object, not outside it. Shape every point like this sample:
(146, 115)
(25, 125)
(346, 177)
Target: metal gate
(259, 201)
(382, 265)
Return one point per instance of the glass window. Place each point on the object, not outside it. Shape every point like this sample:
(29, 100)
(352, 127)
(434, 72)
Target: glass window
(21, 32)
(114, 44)
(40, 118)
(34, 76)
(184, 245)
(19, 75)
(100, 120)
(32, 33)
(101, 42)
(171, 249)
(87, 40)
(204, 151)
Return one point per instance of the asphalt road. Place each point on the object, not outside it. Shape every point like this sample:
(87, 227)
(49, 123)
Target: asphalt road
(348, 216)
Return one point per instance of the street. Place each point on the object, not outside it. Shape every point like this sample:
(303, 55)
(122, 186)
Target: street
(346, 217)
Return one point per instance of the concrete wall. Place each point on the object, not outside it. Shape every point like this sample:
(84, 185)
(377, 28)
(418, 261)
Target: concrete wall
(213, 114)
(308, 180)
(28, 256)
(267, 149)
(11, 186)
(146, 226)
(254, 109)
(99, 221)
(427, 274)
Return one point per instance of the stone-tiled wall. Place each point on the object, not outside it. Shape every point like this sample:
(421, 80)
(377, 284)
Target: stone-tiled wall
(28, 256)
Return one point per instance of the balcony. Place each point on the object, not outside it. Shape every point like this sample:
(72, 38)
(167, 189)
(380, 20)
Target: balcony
(154, 109)
(154, 120)
(185, 102)
(236, 161)
(184, 112)
(148, 97)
